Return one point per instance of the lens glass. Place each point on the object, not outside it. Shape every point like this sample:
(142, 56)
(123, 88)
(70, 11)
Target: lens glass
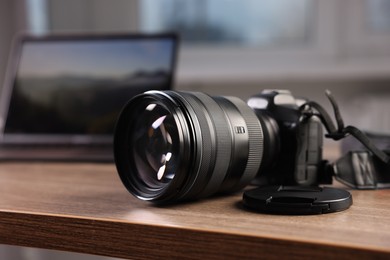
(154, 145)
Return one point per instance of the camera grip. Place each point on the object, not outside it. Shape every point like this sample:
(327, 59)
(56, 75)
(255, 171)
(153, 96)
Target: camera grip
(309, 153)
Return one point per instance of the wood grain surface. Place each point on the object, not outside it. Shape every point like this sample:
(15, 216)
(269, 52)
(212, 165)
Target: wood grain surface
(85, 208)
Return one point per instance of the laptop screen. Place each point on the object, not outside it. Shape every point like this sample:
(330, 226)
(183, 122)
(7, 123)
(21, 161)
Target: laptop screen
(72, 88)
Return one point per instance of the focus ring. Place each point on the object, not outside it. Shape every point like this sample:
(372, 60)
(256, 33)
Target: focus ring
(223, 143)
(216, 129)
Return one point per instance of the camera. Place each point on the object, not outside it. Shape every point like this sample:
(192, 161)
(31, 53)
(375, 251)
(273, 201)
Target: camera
(173, 146)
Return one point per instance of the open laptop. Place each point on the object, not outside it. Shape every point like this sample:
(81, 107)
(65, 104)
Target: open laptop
(63, 93)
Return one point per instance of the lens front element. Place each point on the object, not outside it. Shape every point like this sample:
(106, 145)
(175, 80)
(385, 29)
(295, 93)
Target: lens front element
(152, 146)
(148, 144)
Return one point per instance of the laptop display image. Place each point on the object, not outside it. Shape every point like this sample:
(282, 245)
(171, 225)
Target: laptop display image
(69, 90)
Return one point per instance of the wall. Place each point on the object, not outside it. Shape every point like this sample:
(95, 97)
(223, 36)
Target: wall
(12, 21)
(6, 29)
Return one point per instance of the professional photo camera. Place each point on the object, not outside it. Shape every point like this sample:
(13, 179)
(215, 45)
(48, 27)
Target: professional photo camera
(172, 146)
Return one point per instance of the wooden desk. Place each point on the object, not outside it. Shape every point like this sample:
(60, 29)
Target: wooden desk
(85, 208)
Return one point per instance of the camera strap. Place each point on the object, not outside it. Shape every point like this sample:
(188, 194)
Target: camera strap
(341, 132)
(357, 169)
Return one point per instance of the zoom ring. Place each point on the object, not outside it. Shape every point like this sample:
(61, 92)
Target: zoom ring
(256, 137)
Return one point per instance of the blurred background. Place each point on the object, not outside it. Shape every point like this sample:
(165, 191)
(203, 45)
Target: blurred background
(239, 48)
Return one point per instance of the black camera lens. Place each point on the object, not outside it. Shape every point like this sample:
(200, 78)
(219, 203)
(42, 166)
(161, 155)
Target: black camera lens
(171, 146)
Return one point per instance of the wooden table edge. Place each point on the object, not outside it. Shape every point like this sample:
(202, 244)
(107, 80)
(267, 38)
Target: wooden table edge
(116, 238)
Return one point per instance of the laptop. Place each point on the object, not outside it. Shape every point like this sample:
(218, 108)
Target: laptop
(63, 93)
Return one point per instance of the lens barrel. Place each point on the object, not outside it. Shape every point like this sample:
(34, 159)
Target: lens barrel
(172, 146)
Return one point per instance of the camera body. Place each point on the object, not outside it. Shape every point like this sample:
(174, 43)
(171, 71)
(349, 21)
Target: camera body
(293, 147)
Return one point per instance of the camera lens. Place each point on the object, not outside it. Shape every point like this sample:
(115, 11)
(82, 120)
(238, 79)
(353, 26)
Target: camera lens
(171, 146)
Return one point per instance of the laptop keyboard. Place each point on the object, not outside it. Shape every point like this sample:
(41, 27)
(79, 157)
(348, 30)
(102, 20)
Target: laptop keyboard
(61, 152)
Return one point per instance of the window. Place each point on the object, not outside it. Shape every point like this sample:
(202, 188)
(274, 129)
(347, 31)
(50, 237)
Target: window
(378, 15)
(238, 23)
(251, 40)
(367, 29)
(37, 16)
(243, 40)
